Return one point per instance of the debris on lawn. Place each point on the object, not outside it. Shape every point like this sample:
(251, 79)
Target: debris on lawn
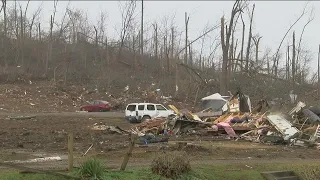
(232, 117)
(87, 150)
(111, 129)
(150, 138)
(21, 117)
(55, 158)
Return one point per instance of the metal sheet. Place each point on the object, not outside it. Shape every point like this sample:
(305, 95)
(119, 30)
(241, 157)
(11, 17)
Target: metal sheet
(283, 126)
(298, 107)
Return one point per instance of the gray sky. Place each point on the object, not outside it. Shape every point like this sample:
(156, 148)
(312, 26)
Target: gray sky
(271, 20)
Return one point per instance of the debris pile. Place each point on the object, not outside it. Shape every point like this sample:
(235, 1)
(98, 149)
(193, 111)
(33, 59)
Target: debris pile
(234, 119)
(111, 129)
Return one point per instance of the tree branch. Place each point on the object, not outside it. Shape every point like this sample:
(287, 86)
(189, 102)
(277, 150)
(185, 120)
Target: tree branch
(277, 52)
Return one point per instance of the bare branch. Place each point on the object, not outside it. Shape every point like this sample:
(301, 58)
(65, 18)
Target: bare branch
(2, 6)
(34, 15)
(276, 59)
(311, 18)
(210, 30)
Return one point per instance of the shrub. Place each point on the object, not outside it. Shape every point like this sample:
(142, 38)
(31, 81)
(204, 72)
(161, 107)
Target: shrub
(171, 164)
(309, 172)
(92, 168)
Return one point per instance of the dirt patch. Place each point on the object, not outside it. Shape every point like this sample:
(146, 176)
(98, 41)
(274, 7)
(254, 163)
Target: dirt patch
(50, 134)
(191, 149)
(21, 139)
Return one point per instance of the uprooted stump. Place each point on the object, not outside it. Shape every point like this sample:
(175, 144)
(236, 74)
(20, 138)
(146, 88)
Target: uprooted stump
(171, 164)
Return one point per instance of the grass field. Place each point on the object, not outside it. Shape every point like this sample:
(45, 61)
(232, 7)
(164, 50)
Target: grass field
(235, 171)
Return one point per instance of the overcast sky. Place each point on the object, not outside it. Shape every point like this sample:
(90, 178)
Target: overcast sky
(272, 18)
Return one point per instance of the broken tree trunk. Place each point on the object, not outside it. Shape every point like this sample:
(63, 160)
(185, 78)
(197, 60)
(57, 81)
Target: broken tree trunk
(156, 40)
(242, 42)
(293, 59)
(172, 44)
(70, 151)
(256, 43)
(223, 78)
(249, 40)
(319, 71)
(186, 40)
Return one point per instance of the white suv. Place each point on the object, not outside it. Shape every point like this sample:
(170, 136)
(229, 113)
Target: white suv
(139, 112)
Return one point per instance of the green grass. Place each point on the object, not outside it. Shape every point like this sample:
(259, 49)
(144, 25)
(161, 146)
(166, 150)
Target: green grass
(224, 171)
(14, 175)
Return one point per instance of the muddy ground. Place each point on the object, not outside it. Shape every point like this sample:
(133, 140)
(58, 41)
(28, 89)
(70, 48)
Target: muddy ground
(46, 135)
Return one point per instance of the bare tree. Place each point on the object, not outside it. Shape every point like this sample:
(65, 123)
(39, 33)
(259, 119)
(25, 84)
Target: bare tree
(127, 18)
(49, 54)
(256, 41)
(4, 40)
(39, 31)
(155, 26)
(293, 59)
(311, 18)
(172, 42)
(63, 25)
(22, 37)
(318, 83)
(242, 41)
(288, 63)
(142, 32)
(249, 39)
(101, 32)
(186, 20)
(225, 44)
(34, 16)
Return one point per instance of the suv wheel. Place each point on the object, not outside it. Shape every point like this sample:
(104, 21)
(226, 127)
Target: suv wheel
(145, 118)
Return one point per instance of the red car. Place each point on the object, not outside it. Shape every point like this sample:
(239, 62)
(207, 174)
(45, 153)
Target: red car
(96, 106)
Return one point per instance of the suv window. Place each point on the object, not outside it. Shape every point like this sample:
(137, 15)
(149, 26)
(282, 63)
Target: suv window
(131, 107)
(140, 107)
(150, 107)
(160, 108)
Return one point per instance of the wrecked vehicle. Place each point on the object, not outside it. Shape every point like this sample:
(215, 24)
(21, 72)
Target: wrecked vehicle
(96, 106)
(139, 112)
